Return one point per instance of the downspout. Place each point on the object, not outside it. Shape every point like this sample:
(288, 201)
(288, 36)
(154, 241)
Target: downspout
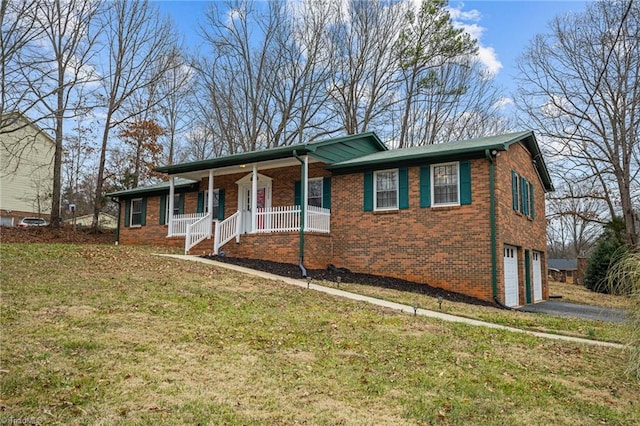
(492, 218)
(303, 213)
(118, 225)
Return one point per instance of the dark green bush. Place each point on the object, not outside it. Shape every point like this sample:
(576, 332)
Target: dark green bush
(609, 249)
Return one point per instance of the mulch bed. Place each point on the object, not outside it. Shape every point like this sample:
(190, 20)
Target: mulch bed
(332, 273)
(47, 235)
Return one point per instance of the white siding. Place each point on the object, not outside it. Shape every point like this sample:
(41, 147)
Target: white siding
(26, 184)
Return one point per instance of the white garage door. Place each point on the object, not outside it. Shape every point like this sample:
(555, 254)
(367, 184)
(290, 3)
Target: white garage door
(537, 276)
(510, 276)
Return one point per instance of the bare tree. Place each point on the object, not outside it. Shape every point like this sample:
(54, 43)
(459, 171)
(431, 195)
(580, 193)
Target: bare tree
(175, 91)
(139, 45)
(430, 49)
(19, 29)
(574, 216)
(56, 68)
(364, 86)
(302, 62)
(456, 101)
(237, 78)
(580, 86)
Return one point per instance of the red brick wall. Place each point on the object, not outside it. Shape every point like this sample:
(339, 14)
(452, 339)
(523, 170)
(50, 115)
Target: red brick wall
(446, 247)
(152, 233)
(283, 247)
(514, 228)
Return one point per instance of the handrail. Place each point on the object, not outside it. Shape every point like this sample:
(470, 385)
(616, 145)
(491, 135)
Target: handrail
(179, 222)
(226, 231)
(196, 232)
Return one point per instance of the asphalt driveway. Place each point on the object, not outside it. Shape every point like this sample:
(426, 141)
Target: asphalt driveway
(574, 310)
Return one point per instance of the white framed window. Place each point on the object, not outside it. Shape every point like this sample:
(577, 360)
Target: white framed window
(315, 192)
(445, 186)
(136, 212)
(216, 202)
(385, 189)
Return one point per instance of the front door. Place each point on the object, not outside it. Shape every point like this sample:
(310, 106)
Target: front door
(262, 202)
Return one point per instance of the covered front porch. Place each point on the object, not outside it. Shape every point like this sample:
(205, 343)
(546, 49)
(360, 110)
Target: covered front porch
(258, 210)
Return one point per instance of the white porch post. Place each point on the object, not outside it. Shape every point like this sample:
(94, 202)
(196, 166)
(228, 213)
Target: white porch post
(172, 191)
(254, 198)
(210, 200)
(305, 200)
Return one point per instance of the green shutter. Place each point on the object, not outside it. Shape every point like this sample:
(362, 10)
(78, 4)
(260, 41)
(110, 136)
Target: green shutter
(425, 186)
(163, 209)
(368, 191)
(527, 276)
(326, 193)
(524, 202)
(514, 189)
(221, 204)
(297, 193)
(403, 187)
(465, 182)
(532, 213)
(127, 213)
(143, 219)
(200, 208)
(181, 204)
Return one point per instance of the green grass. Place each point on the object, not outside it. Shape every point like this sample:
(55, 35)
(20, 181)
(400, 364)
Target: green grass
(576, 327)
(114, 335)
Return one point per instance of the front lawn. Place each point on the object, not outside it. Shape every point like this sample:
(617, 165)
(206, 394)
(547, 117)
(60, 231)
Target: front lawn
(115, 335)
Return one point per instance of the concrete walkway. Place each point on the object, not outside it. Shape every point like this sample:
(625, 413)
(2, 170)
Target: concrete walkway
(387, 304)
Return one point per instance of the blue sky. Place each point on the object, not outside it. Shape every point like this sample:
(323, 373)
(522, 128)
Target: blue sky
(503, 27)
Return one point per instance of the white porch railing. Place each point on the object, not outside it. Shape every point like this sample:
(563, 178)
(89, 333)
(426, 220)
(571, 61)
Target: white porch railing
(179, 223)
(318, 219)
(278, 219)
(226, 231)
(197, 231)
(287, 219)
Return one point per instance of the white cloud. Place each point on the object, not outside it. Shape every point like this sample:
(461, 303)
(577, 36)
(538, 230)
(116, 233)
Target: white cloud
(469, 20)
(464, 15)
(504, 103)
(488, 58)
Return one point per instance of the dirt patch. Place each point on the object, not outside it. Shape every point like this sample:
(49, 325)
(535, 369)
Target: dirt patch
(346, 276)
(48, 235)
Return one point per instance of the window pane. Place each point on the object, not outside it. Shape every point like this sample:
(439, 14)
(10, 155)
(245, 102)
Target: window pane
(315, 192)
(386, 189)
(176, 207)
(176, 204)
(136, 212)
(216, 202)
(445, 184)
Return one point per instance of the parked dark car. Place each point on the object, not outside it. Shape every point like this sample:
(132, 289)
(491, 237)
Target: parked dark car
(32, 221)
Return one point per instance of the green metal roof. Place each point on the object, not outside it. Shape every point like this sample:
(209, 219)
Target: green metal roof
(328, 151)
(448, 151)
(179, 183)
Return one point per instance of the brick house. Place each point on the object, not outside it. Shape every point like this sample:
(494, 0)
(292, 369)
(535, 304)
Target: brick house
(464, 216)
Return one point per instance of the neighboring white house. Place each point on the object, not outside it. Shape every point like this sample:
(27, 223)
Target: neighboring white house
(26, 171)
(105, 221)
